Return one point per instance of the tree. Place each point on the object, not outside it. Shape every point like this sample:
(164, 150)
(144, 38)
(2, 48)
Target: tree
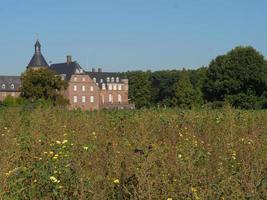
(186, 96)
(139, 88)
(239, 73)
(43, 84)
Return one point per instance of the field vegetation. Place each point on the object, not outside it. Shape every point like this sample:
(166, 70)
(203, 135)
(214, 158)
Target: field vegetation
(50, 153)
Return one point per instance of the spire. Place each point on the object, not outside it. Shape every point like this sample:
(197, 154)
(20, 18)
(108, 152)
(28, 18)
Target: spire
(37, 60)
(37, 47)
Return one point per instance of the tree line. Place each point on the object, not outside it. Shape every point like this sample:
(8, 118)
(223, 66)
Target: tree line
(239, 78)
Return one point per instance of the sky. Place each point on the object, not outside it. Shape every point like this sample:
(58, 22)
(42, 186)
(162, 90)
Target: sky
(122, 35)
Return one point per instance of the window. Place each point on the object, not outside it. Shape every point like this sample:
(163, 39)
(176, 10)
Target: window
(119, 98)
(119, 87)
(75, 99)
(117, 79)
(83, 79)
(83, 99)
(103, 86)
(92, 99)
(83, 88)
(3, 86)
(75, 78)
(91, 88)
(108, 79)
(94, 79)
(12, 86)
(101, 80)
(109, 87)
(110, 98)
(112, 80)
(115, 87)
(75, 88)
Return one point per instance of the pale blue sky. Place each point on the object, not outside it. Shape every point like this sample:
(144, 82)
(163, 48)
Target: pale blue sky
(121, 35)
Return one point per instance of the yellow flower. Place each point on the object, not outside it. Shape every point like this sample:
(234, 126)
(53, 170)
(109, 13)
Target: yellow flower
(169, 198)
(5, 128)
(64, 141)
(54, 179)
(179, 155)
(194, 190)
(85, 148)
(35, 181)
(58, 142)
(116, 181)
(93, 133)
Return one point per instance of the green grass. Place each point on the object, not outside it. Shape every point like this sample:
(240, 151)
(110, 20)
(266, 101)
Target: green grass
(142, 154)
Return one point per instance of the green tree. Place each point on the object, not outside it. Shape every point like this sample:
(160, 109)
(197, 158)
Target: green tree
(43, 84)
(139, 88)
(186, 96)
(240, 74)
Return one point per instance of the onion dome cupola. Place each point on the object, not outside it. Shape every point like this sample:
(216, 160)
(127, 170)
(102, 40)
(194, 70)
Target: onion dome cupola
(37, 60)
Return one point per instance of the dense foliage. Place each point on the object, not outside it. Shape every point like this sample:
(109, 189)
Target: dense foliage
(43, 84)
(142, 154)
(238, 77)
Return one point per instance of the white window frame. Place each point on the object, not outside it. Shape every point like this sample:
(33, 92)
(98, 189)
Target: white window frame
(83, 88)
(75, 99)
(83, 79)
(110, 98)
(103, 86)
(117, 80)
(75, 78)
(74, 88)
(12, 86)
(115, 87)
(83, 99)
(112, 79)
(109, 86)
(3, 86)
(119, 87)
(91, 88)
(92, 99)
(119, 98)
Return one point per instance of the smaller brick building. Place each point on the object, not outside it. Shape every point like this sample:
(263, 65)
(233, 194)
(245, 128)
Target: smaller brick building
(86, 90)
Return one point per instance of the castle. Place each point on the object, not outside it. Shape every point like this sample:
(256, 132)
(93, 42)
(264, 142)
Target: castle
(86, 90)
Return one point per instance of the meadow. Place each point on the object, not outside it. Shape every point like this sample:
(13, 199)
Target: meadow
(165, 154)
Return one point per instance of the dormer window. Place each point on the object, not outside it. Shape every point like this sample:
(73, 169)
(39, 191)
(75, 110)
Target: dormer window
(101, 80)
(117, 79)
(108, 80)
(94, 79)
(12, 86)
(103, 86)
(112, 80)
(3, 86)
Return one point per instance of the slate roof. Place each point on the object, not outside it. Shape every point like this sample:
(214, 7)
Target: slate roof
(67, 69)
(104, 75)
(37, 59)
(6, 83)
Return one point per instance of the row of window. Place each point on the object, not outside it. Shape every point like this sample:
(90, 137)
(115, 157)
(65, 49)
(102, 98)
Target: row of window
(112, 80)
(112, 87)
(92, 99)
(83, 79)
(75, 88)
(5, 94)
(12, 86)
(110, 98)
(75, 99)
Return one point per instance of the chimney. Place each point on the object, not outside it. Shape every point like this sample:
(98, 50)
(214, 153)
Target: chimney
(93, 69)
(99, 70)
(69, 59)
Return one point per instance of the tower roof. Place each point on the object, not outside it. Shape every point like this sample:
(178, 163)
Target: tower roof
(37, 59)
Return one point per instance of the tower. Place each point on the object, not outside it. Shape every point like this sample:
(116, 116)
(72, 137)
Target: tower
(37, 60)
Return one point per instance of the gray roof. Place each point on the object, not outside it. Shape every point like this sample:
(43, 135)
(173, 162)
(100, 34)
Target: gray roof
(37, 59)
(10, 83)
(101, 77)
(67, 69)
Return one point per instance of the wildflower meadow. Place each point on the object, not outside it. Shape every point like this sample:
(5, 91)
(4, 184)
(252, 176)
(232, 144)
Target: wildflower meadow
(142, 154)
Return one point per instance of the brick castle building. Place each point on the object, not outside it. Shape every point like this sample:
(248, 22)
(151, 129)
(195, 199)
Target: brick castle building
(86, 90)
